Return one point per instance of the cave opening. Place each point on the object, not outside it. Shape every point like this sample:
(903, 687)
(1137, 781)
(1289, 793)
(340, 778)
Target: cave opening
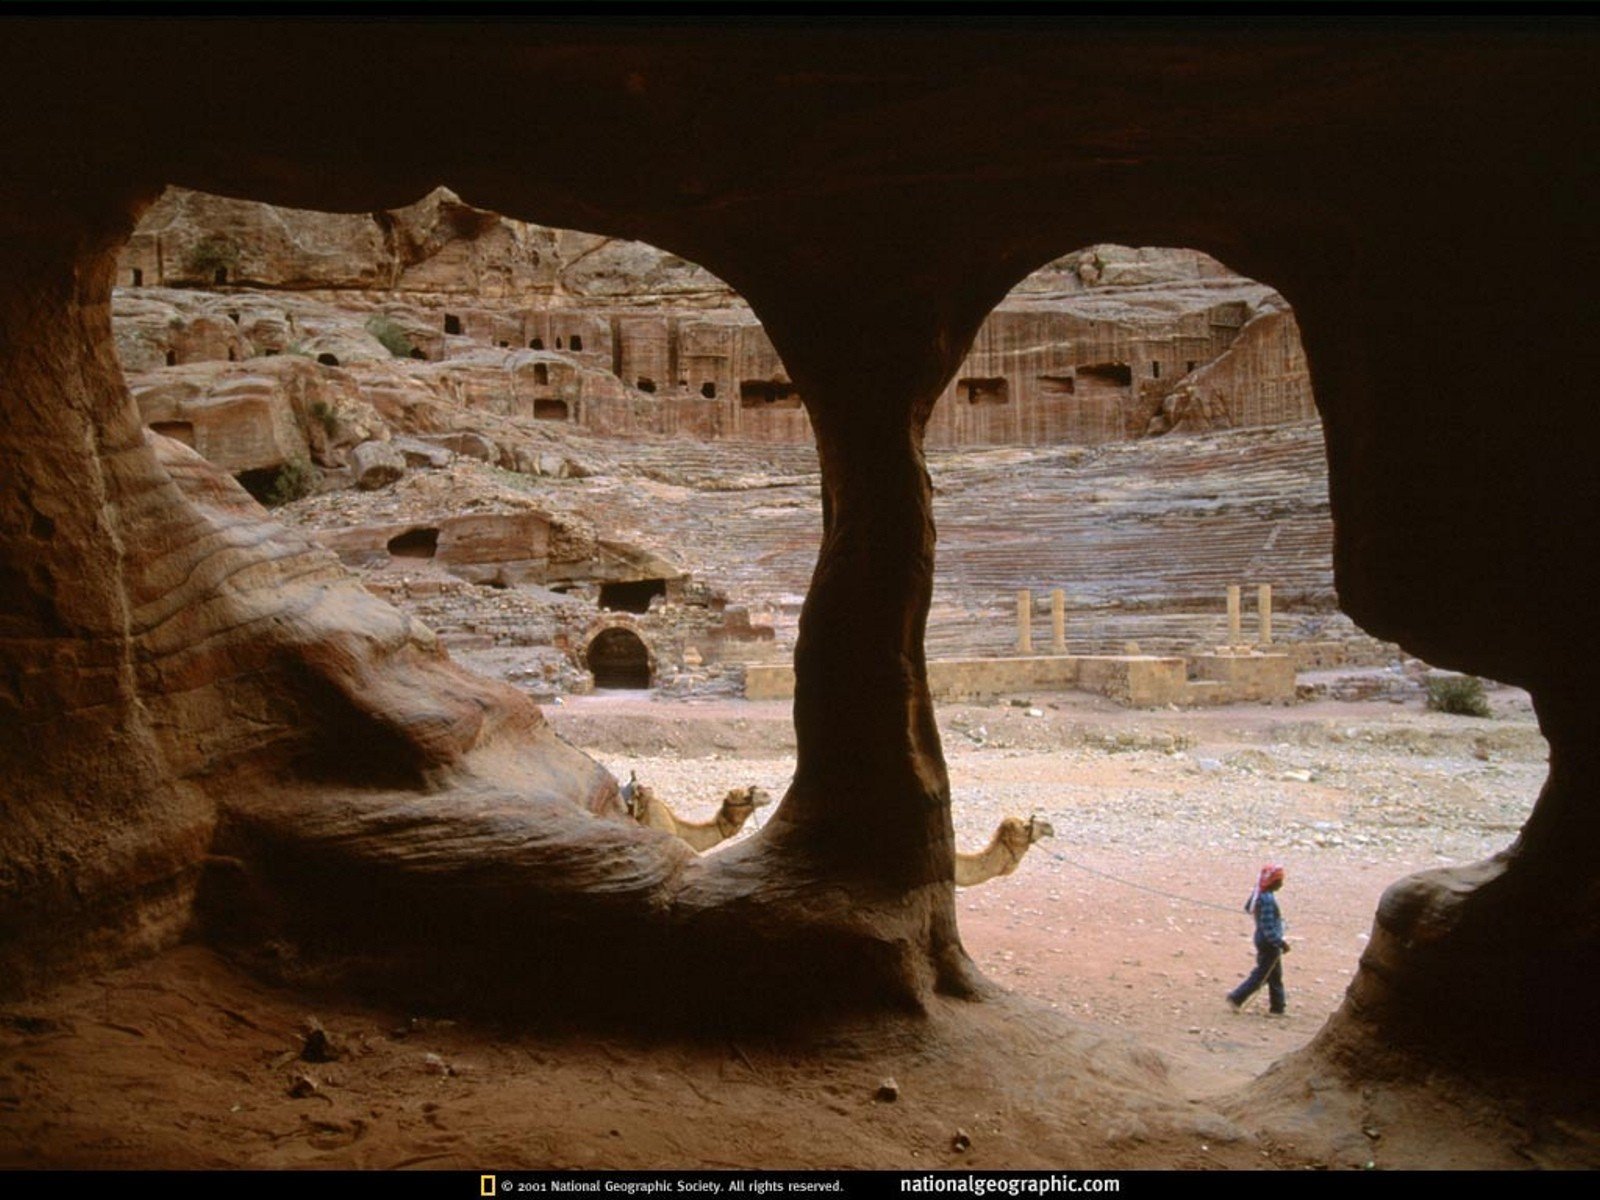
(138, 277)
(260, 482)
(536, 343)
(541, 374)
(645, 384)
(414, 543)
(452, 324)
(1368, 490)
(576, 343)
(545, 409)
(631, 595)
(328, 360)
(996, 390)
(708, 389)
(618, 659)
(1111, 374)
(767, 393)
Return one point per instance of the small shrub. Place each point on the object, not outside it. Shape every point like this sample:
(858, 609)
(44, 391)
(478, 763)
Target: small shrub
(212, 254)
(322, 411)
(1461, 694)
(294, 482)
(392, 337)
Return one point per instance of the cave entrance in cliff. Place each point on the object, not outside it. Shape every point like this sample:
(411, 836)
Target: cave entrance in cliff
(550, 410)
(261, 483)
(632, 595)
(1111, 374)
(414, 543)
(619, 659)
(985, 391)
(767, 393)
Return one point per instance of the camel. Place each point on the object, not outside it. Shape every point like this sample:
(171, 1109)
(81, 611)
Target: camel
(1004, 851)
(645, 807)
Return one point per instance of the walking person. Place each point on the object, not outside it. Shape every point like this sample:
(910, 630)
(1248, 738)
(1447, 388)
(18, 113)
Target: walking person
(1270, 944)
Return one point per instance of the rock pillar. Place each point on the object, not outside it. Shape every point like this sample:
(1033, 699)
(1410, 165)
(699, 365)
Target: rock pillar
(1058, 621)
(1264, 614)
(1234, 627)
(1025, 622)
(94, 822)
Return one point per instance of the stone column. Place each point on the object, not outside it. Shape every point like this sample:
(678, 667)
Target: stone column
(1058, 621)
(1264, 614)
(1234, 632)
(1024, 622)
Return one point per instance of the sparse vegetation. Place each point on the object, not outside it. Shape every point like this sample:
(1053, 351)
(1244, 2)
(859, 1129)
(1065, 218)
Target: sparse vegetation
(213, 255)
(392, 337)
(1461, 694)
(323, 412)
(295, 480)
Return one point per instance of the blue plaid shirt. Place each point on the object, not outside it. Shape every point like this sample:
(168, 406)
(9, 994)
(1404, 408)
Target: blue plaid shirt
(1269, 921)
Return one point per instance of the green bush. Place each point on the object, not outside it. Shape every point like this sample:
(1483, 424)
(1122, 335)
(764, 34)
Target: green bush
(394, 338)
(211, 255)
(322, 411)
(295, 480)
(1461, 694)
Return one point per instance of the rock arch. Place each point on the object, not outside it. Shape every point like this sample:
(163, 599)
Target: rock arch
(618, 655)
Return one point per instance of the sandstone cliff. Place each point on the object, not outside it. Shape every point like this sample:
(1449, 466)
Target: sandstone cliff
(1103, 344)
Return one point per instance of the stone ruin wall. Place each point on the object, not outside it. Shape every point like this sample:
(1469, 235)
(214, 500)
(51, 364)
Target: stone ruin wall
(621, 339)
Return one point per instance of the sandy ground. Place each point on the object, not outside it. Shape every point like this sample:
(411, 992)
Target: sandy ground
(1131, 917)
(1117, 938)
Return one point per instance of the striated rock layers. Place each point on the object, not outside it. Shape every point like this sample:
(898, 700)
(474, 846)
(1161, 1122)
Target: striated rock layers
(1106, 344)
(190, 698)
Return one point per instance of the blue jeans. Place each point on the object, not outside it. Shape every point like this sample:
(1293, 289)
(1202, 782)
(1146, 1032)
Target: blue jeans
(1269, 970)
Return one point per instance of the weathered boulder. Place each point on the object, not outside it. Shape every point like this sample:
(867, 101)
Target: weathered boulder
(422, 454)
(376, 464)
(468, 444)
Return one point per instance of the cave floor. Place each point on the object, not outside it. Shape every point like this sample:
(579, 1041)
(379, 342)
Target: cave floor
(1112, 1049)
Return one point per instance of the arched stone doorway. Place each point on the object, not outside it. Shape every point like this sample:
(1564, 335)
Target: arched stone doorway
(618, 658)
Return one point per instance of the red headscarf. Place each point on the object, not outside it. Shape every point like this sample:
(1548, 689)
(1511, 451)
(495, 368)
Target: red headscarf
(1271, 877)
